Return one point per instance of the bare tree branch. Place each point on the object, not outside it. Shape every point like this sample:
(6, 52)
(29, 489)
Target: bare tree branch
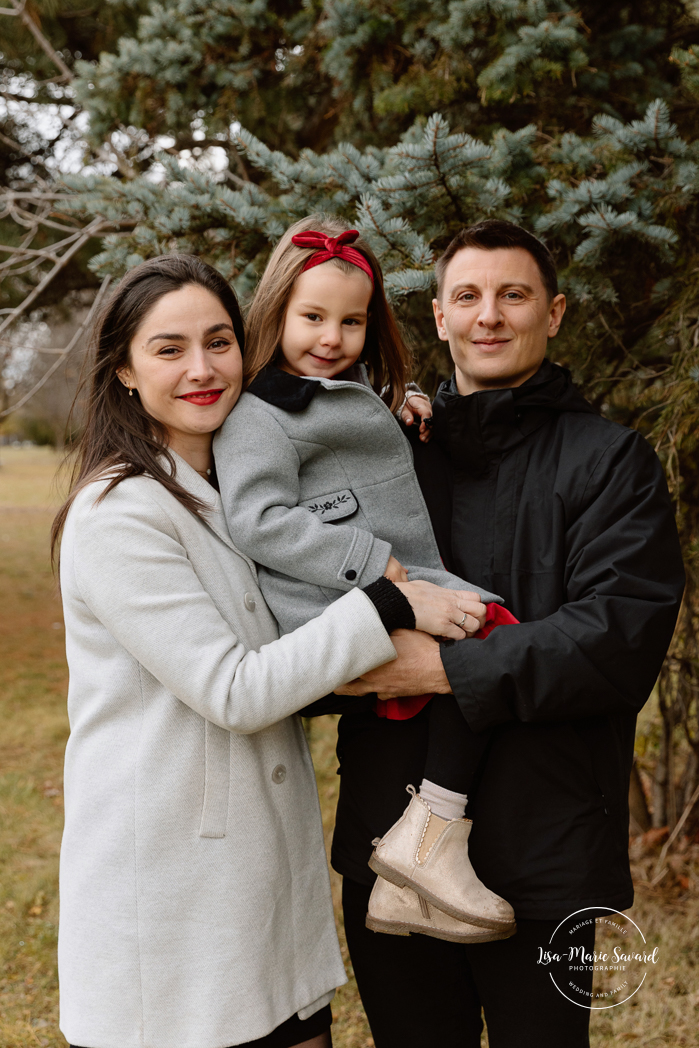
(95, 227)
(11, 143)
(62, 353)
(36, 212)
(18, 10)
(19, 194)
(108, 154)
(115, 157)
(660, 868)
(49, 253)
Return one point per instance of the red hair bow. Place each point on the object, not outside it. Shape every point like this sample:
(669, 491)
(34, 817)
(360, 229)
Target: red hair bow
(332, 247)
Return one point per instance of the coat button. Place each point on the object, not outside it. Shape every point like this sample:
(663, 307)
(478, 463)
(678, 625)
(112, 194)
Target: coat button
(279, 774)
(351, 574)
(250, 602)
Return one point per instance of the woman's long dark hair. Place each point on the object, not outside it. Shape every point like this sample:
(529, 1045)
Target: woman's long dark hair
(118, 435)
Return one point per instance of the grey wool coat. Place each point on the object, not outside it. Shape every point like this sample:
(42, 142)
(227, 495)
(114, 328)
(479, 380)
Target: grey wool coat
(195, 901)
(298, 454)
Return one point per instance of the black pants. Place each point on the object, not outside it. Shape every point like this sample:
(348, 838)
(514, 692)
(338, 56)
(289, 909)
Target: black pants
(453, 750)
(420, 992)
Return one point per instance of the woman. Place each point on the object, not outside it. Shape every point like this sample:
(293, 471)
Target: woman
(195, 904)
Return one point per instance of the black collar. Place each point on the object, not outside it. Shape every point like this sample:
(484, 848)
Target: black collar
(285, 391)
(472, 429)
(293, 393)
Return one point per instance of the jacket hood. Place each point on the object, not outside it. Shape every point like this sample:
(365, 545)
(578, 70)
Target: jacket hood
(474, 428)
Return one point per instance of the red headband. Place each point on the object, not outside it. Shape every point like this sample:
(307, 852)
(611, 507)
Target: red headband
(332, 247)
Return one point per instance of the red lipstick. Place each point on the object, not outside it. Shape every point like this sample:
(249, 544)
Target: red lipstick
(202, 397)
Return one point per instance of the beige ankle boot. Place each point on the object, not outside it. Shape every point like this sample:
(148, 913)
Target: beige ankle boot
(430, 855)
(401, 911)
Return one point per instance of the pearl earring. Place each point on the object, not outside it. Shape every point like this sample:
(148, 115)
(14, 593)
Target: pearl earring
(130, 391)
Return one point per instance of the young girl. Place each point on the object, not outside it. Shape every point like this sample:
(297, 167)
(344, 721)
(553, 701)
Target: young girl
(319, 489)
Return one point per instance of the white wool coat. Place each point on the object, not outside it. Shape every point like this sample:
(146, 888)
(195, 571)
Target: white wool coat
(195, 900)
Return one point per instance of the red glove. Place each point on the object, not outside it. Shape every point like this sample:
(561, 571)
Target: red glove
(410, 706)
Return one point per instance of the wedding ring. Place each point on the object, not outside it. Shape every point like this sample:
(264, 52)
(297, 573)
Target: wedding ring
(462, 621)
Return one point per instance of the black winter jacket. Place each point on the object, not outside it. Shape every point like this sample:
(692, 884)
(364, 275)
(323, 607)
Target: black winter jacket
(567, 515)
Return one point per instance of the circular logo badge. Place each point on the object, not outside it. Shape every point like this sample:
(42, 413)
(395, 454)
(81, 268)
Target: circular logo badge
(597, 958)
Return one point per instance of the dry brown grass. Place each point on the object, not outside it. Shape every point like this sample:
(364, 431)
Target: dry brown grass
(33, 682)
(34, 729)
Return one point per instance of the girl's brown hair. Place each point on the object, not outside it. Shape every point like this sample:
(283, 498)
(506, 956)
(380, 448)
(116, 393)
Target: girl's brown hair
(386, 355)
(118, 434)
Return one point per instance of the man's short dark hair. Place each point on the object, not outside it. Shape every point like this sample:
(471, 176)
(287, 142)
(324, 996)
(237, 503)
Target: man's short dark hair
(493, 233)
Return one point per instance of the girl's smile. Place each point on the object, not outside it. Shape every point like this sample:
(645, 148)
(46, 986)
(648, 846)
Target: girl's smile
(326, 321)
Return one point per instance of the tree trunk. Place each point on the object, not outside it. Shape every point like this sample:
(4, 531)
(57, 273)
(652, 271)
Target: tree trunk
(638, 808)
(661, 777)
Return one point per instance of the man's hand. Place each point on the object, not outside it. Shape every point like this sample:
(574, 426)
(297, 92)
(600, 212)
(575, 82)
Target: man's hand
(417, 670)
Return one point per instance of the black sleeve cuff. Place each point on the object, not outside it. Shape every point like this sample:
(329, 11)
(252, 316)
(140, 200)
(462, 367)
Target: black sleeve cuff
(395, 609)
(339, 704)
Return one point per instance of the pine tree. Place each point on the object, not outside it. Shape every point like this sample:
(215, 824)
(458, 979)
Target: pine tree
(220, 124)
(308, 74)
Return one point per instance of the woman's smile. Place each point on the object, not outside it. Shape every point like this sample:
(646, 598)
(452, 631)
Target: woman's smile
(186, 340)
(202, 397)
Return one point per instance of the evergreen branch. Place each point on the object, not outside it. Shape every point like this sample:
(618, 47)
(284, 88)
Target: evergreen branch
(408, 282)
(368, 217)
(396, 233)
(434, 140)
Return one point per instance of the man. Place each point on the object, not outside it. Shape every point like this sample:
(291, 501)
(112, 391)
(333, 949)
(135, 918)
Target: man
(535, 496)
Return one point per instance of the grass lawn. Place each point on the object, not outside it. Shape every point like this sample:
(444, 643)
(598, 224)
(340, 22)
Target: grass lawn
(33, 682)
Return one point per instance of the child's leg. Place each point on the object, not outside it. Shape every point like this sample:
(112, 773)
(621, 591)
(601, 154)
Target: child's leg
(453, 755)
(426, 851)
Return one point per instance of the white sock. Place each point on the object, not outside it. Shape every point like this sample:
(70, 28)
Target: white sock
(445, 803)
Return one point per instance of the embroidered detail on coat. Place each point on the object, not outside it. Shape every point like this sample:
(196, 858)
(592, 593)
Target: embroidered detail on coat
(336, 506)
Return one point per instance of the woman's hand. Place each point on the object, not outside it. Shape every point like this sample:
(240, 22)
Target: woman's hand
(418, 404)
(395, 571)
(444, 612)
